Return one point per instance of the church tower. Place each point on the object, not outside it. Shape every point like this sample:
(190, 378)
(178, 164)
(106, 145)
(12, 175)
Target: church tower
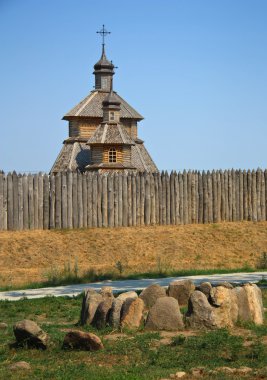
(103, 130)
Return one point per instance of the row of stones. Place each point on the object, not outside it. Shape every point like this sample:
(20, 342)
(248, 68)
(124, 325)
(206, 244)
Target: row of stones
(158, 309)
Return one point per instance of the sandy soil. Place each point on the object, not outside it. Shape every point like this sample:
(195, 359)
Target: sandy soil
(29, 255)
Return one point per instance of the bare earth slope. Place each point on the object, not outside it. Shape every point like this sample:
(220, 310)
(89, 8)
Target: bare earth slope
(29, 255)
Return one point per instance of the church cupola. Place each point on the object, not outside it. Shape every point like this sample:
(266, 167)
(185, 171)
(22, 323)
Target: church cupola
(103, 69)
(111, 107)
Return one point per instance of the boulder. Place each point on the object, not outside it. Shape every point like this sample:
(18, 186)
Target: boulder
(91, 300)
(101, 316)
(205, 287)
(165, 315)
(200, 312)
(151, 294)
(132, 313)
(249, 302)
(181, 291)
(226, 311)
(225, 284)
(106, 292)
(20, 366)
(81, 340)
(3, 326)
(115, 312)
(28, 333)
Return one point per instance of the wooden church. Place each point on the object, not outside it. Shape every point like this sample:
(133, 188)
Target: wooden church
(103, 130)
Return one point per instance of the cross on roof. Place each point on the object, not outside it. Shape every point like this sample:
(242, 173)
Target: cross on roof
(103, 32)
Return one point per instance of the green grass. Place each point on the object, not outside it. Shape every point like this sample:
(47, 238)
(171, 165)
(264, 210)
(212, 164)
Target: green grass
(70, 276)
(131, 357)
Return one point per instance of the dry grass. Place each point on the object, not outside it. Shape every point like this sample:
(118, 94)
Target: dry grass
(27, 256)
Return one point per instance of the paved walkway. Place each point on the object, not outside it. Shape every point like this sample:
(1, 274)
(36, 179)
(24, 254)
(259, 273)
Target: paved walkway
(126, 285)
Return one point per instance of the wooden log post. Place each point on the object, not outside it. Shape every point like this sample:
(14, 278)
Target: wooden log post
(219, 195)
(193, 198)
(233, 175)
(200, 198)
(245, 195)
(120, 206)
(241, 196)
(1, 202)
(205, 198)
(129, 197)
(226, 195)
(237, 194)
(89, 200)
(64, 201)
(124, 200)
(46, 191)
(105, 201)
(181, 196)
(75, 219)
(210, 200)
(99, 200)
(40, 201)
(9, 202)
(20, 203)
(263, 207)
(5, 203)
(164, 198)
(160, 199)
(85, 201)
(196, 197)
(189, 196)
(94, 200)
(69, 199)
(147, 200)
(25, 190)
(177, 199)
(214, 197)
(31, 202)
(138, 204)
(258, 194)
(110, 201)
(15, 202)
(80, 199)
(249, 178)
(185, 195)
(35, 200)
(254, 196)
(152, 200)
(116, 200)
(172, 200)
(134, 214)
(230, 195)
(58, 209)
(156, 182)
(142, 199)
(168, 198)
(265, 180)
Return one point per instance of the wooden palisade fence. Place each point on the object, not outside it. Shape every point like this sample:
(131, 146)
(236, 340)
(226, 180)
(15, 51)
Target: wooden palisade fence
(75, 200)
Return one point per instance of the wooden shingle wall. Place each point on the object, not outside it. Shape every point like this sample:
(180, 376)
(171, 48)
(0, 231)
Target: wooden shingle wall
(75, 200)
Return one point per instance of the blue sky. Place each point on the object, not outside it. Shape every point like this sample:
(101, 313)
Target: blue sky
(196, 70)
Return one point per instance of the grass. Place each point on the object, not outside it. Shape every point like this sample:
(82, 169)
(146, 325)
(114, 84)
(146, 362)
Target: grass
(42, 256)
(129, 356)
(70, 276)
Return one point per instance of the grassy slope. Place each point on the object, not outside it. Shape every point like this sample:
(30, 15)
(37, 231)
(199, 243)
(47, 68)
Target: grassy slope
(28, 256)
(130, 356)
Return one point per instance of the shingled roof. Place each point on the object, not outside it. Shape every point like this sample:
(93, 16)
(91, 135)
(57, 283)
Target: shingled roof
(91, 106)
(110, 134)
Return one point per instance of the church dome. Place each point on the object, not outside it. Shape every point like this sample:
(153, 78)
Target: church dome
(104, 64)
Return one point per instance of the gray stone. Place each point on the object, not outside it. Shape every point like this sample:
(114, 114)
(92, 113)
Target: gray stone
(225, 284)
(115, 312)
(165, 315)
(82, 341)
(3, 326)
(106, 292)
(249, 301)
(132, 314)
(91, 300)
(151, 294)
(181, 291)
(28, 333)
(20, 366)
(200, 312)
(205, 288)
(101, 316)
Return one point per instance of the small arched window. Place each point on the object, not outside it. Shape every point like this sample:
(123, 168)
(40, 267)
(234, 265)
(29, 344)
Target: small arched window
(112, 115)
(112, 155)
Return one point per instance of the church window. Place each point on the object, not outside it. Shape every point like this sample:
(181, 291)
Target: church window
(112, 116)
(112, 155)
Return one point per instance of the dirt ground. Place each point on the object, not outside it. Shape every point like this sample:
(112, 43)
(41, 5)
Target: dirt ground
(29, 255)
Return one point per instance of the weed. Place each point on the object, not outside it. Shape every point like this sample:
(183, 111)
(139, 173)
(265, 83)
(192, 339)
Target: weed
(262, 264)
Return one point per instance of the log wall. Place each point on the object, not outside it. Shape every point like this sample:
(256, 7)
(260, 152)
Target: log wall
(75, 200)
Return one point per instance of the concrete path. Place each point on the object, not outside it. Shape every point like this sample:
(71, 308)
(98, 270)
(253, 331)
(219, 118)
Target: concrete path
(126, 285)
